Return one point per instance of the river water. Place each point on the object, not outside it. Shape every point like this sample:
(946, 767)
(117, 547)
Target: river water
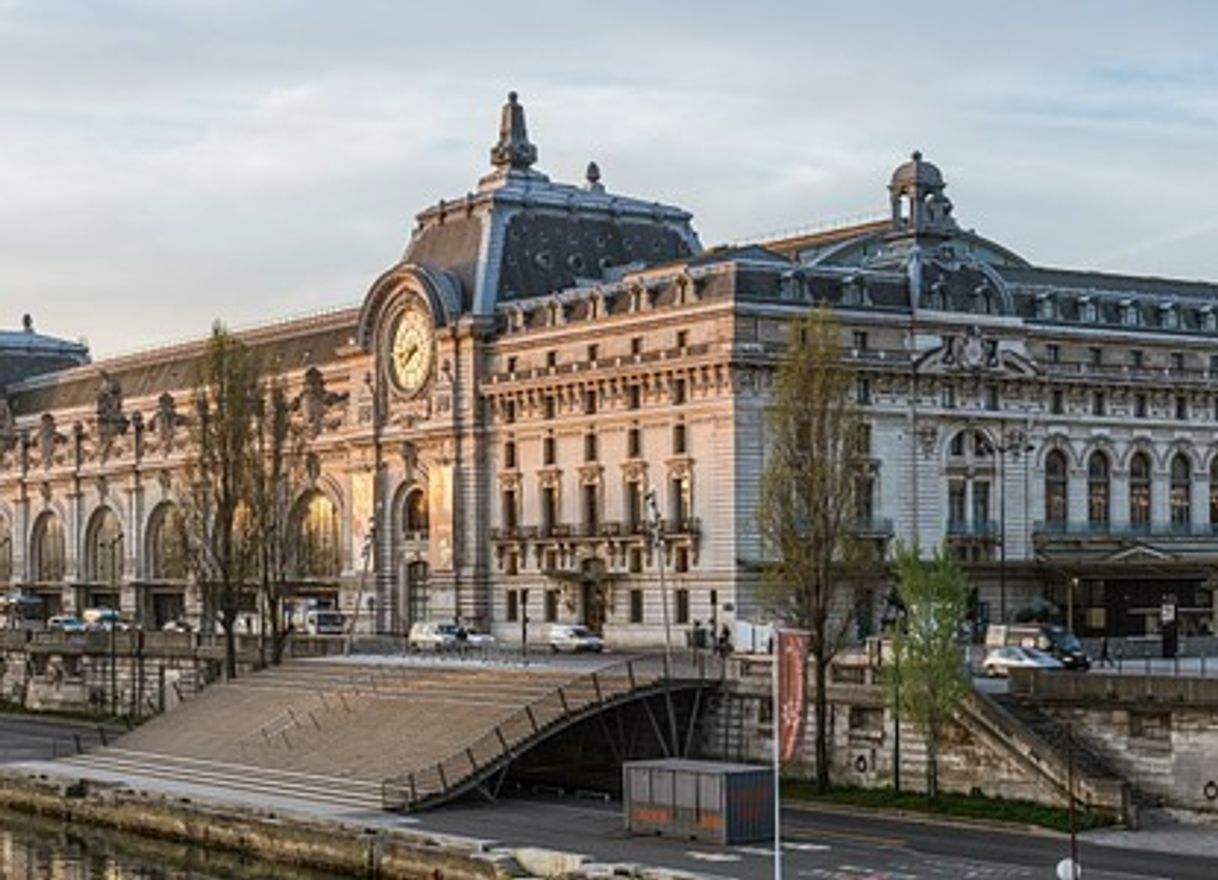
(40, 849)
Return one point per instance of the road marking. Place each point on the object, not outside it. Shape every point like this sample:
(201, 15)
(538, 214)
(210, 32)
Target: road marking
(868, 839)
(755, 850)
(712, 856)
(804, 847)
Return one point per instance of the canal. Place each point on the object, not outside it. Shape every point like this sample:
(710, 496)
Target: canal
(34, 848)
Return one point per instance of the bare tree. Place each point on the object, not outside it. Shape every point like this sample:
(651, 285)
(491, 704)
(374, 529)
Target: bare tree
(276, 477)
(219, 528)
(809, 501)
(927, 680)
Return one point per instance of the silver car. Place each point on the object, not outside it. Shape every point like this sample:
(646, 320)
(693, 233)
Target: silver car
(999, 661)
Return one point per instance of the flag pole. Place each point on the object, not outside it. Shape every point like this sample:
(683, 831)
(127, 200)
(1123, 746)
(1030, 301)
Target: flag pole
(777, 716)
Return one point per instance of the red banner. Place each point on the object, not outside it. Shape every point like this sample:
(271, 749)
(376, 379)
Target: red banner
(792, 688)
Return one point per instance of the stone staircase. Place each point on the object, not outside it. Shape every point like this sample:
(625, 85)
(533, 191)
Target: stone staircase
(1040, 742)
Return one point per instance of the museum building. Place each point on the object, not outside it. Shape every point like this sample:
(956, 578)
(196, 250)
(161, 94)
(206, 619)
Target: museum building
(551, 409)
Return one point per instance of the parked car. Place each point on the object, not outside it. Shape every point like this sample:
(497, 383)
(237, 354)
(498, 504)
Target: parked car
(999, 661)
(574, 638)
(177, 626)
(103, 619)
(1049, 638)
(428, 635)
(68, 623)
(325, 622)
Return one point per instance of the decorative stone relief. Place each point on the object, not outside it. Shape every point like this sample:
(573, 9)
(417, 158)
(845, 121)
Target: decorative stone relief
(314, 403)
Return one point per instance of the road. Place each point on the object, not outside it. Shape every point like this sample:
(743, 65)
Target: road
(818, 843)
(38, 738)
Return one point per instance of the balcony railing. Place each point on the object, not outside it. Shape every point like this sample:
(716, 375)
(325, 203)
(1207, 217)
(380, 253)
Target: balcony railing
(872, 526)
(960, 528)
(1049, 529)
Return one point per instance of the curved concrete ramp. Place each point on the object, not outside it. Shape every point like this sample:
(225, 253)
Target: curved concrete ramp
(422, 730)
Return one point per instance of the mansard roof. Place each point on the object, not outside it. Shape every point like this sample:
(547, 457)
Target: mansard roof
(521, 235)
(25, 353)
(286, 346)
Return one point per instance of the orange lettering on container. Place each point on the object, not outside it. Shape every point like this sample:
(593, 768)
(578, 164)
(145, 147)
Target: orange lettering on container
(711, 823)
(654, 816)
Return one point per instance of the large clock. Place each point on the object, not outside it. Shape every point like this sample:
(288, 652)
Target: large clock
(411, 349)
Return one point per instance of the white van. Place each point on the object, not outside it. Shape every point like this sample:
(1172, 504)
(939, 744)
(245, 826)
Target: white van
(324, 622)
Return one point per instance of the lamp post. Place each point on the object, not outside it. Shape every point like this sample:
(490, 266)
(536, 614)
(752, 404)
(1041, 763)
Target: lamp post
(112, 622)
(1013, 444)
(657, 541)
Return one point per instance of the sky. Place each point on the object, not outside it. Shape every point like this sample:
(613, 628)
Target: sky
(164, 164)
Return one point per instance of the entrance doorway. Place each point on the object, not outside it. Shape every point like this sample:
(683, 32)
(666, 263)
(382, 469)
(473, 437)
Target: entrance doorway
(594, 606)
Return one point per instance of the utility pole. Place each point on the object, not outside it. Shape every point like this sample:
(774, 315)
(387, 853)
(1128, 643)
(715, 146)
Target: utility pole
(657, 536)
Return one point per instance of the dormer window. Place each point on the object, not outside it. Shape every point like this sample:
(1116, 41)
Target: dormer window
(1087, 311)
(1209, 321)
(1169, 316)
(1130, 315)
(1046, 307)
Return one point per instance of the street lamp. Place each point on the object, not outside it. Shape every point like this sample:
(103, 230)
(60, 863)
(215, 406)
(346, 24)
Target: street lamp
(657, 541)
(1015, 443)
(112, 622)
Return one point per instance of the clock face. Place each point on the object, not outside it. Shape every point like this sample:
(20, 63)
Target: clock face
(411, 349)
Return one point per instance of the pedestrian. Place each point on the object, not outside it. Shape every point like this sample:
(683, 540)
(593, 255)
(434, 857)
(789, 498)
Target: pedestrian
(724, 645)
(1105, 658)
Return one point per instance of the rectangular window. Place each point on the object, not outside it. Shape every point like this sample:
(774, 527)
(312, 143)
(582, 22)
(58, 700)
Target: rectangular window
(591, 509)
(513, 606)
(1214, 365)
(1177, 361)
(1097, 403)
(634, 443)
(1137, 359)
(590, 447)
(634, 396)
(1053, 353)
(509, 510)
(511, 564)
(1097, 355)
(678, 392)
(550, 406)
(636, 606)
(862, 440)
(593, 352)
(981, 504)
(680, 562)
(509, 411)
(636, 560)
(636, 345)
(862, 390)
(1056, 403)
(551, 612)
(682, 339)
(1139, 406)
(549, 509)
(1181, 407)
(947, 397)
(678, 439)
(511, 364)
(682, 615)
(509, 454)
(590, 403)
(551, 359)
(547, 450)
(956, 510)
(860, 340)
(634, 506)
(991, 397)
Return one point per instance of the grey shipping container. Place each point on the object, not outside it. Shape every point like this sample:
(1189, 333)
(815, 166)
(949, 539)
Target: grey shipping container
(699, 800)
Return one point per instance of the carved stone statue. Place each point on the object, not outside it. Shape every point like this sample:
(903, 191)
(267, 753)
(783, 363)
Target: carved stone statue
(48, 439)
(314, 401)
(110, 419)
(165, 422)
(8, 425)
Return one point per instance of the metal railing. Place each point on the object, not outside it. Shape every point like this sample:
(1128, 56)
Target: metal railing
(959, 528)
(1049, 528)
(566, 704)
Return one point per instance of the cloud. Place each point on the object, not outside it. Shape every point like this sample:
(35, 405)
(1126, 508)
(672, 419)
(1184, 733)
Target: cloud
(162, 164)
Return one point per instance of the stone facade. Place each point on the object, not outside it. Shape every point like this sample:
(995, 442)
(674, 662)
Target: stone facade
(490, 426)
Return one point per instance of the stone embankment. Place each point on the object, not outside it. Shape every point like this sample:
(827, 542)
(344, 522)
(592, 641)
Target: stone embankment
(343, 848)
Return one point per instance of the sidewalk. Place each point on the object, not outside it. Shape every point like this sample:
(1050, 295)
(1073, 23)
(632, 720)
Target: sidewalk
(1164, 831)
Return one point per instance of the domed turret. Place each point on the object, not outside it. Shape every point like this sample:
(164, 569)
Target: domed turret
(918, 203)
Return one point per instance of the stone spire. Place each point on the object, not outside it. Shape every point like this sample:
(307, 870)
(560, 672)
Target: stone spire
(592, 178)
(513, 149)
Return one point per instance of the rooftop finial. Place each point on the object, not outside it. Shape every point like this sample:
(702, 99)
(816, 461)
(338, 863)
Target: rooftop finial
(916, 155)
(513, 149)
(592, 178)
(27, 323)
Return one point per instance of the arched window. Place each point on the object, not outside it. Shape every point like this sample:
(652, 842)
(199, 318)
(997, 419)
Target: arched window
(1098, 489)
(317, 552)
(416, 512)
(104, 550)
(47, 548)
(1139, 491)
(1181, 491)
(167, 544)
(1056, 487)
(6, 551)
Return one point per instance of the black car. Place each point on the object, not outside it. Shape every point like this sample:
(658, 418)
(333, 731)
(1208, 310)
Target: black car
(1066, 647)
